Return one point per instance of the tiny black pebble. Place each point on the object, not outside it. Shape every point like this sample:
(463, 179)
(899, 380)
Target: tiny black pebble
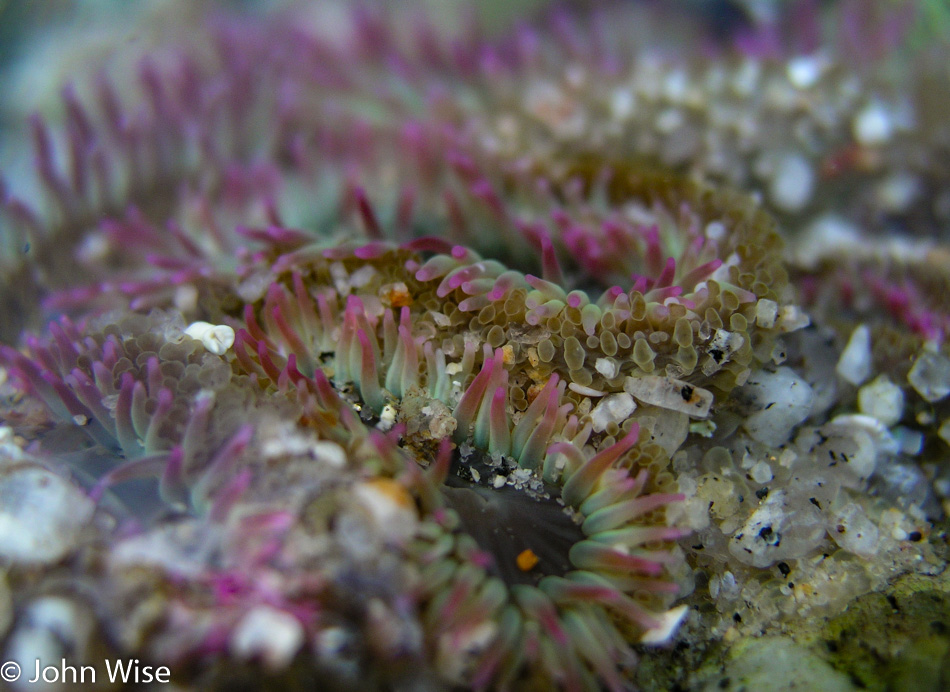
(686, 392)
(761, 493)
(737, 617)
(784, 568)
(915, 536)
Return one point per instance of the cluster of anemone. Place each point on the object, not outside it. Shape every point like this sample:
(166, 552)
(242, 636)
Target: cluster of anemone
(446, 307)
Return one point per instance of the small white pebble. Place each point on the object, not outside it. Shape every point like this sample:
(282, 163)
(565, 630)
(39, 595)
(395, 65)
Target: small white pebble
(804, 71)
(273, 635)
(873, 125)
(854, 531)
(726, 343)
(704, 428)
(390, 506)
(715, 230)
(622, 103)
(612, 409)
(186, 298)
(766, 311)
(329, 452)
(787, 458)
(793, 183)
(882, 399)
(944, 431)
(669, 621)
(669, 121)
(216, 338)
(746, 78)
(386, 418)
(94, 248)
(779, 401)
(896, 192)
(791, 318)
(362, 276)
(608, 367)
(930, 375)
(440, 319)
(910, 442)
(854, 365)
(761, 472)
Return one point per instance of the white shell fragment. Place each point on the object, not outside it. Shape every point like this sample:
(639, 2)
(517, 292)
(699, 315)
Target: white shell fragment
(854, 365)
(608, 367)
(272, 635)
(669, 622)
(857, 441)
(216, 338)
(670, 393)
(791, 318)
(615, 408)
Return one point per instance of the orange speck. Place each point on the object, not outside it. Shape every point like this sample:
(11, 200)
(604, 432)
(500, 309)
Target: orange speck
(533, 390)
(527, 560)
(397, 295)
(392, 490)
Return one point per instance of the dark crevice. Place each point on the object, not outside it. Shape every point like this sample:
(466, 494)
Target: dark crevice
(507, 521)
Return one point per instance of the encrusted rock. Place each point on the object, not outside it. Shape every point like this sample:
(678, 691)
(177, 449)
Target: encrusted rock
(41, 515)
